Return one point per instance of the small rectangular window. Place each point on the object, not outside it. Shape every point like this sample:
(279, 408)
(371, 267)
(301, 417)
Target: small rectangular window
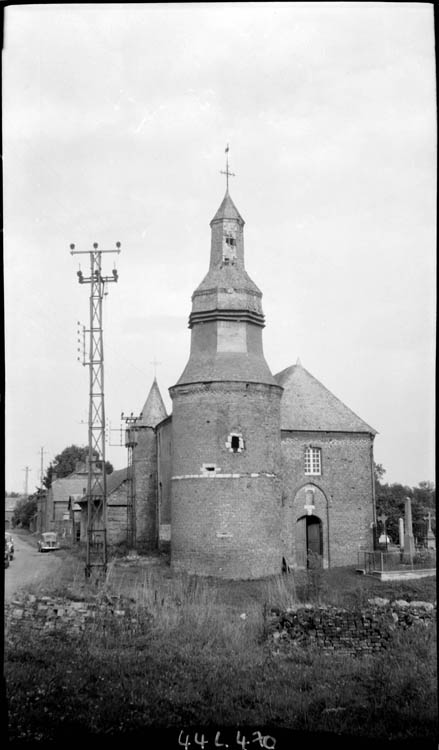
(313, 463)
(235, 443)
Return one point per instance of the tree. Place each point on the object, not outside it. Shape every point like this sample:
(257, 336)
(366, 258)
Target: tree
(390, 501)
(12, 494)
(378, 471)
(65, 463)
(24, 511)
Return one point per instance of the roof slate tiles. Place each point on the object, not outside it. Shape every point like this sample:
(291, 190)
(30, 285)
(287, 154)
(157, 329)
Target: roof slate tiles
(154, 410)
(307, 405)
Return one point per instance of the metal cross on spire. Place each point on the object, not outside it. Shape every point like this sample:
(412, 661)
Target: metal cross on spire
(227, 173)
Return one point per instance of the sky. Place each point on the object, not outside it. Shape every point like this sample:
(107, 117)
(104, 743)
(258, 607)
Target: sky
(115, 123)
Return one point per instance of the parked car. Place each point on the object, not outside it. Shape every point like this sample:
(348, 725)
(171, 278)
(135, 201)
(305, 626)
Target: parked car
(6, 554)
(10, 542)
(48, 541)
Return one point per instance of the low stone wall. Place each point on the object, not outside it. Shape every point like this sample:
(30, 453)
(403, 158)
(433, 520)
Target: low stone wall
(327, 628)
(47, 613)
(350, 631)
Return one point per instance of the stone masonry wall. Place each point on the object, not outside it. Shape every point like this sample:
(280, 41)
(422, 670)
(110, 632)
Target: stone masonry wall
(346, 484)
(145, 479)
(330, 629)
(46, 613)
(164, 456)
(226, 522)
(349, 631)
(117, 522)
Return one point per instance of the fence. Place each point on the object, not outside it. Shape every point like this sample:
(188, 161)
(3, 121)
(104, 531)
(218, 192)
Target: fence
(373, 561)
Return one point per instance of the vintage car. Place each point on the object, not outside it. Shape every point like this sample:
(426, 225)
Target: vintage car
(10, 543)
(48, 541)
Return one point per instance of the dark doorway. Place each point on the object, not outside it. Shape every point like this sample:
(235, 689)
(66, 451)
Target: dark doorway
(309, 542)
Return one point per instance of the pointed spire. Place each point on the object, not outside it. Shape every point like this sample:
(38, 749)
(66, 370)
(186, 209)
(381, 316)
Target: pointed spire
(154, 410)
(298, 363)
(227, 210)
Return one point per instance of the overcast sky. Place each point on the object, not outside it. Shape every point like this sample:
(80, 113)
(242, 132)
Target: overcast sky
(115, 122)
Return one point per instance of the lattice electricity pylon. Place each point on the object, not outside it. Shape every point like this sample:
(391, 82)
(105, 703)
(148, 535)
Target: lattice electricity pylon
(131, 442)
(96, 556)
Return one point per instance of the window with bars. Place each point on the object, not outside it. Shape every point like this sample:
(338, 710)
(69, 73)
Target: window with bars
(313, 462)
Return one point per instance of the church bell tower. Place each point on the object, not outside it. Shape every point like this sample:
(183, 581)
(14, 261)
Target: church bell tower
(225, 486)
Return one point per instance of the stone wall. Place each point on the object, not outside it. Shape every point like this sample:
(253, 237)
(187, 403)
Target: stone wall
(164, 456)
(343, 490)
(349, 631)
(117, 522)
(145, 483)
(47, 613)
(362, 631)
(225, 504)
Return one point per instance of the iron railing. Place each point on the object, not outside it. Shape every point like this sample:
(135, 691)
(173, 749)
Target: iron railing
(384, 561)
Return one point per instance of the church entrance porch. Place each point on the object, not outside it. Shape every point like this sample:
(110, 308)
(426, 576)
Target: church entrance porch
(309, 542)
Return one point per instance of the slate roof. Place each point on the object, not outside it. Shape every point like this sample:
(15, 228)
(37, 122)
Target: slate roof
(227, 210)
(154, 410)
(74, 484)
(307, 405)
(115, 479)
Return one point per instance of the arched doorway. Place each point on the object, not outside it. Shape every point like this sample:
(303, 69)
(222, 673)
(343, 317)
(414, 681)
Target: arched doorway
(309, 542)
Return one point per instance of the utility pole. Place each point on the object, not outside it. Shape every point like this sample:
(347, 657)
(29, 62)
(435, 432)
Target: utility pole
(96, 554)
(131, 442)
(42, 497)
(26, 481)
(42, 452)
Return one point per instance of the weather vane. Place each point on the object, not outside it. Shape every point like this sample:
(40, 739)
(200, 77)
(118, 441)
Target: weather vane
(227, 173)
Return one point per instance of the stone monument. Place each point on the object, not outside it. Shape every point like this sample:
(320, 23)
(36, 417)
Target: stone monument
(409, 542)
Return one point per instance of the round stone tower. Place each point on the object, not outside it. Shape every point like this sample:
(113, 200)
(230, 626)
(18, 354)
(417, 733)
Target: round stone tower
(226, 494)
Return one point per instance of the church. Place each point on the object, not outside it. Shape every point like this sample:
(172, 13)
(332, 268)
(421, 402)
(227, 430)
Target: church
(253, 472)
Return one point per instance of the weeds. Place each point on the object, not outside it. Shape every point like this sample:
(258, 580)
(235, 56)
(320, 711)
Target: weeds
(193, 659)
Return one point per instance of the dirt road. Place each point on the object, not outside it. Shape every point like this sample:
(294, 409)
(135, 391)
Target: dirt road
(28, 566)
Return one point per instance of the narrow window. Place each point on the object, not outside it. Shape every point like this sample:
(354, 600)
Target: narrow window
(309, 497)
(313, 463)
(229, 249)
(235, 443)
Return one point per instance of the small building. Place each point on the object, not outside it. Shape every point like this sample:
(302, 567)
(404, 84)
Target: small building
(10, 504)
(117, 520)
(56, 513)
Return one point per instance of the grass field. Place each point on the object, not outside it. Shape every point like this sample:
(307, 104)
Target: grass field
(196, 661)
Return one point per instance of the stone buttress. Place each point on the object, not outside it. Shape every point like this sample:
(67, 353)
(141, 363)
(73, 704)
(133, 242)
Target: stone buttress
(225, 486)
